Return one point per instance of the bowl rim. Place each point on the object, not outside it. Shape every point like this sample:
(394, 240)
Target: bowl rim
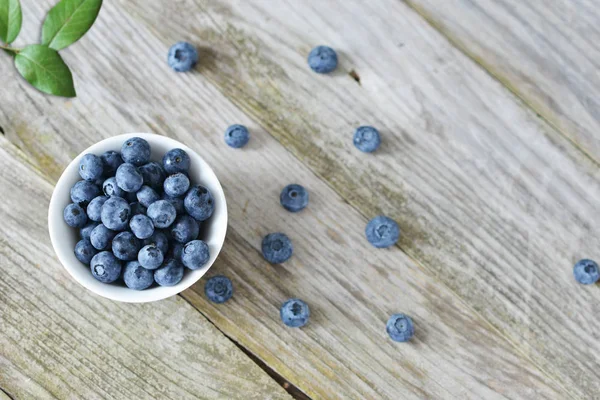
(55, 211)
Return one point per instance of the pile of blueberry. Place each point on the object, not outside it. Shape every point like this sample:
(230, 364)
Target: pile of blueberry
(139, 220)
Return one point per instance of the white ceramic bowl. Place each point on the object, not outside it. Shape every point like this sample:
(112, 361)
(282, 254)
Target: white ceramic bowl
(64, 237)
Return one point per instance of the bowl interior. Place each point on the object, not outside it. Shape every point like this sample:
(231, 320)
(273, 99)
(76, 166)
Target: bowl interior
(64, 237)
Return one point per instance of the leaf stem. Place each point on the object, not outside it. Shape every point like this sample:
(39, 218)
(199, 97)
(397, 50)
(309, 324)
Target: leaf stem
(11, 49)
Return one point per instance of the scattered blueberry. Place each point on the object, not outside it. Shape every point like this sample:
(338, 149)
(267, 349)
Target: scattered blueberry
(237, 136)
(153, 174)
(101, 237)
(84, 251)
(83, 192)
(135, 151)
(110, 188)
(218, 289)
(199, 203)
(111, 161)
(185, 229)
(586, 272)
(366, 139)
(146, 196)
(137, 277)
(90, 168)
(195, 254)
(86, 231)
(162, 213)
(176, 160)
(382, 232)
(115, 213)
(150, 257)
(176, 202)
(141, 226)
(176, 250)
(125, 246)
(105, 267)
(169, 274)
(322, 59)
(176, 185)
(94, 209)
(75, 216)
(137, 208)
(277, 248)
(182, 57)
(293, 198)
(294, 313)
(400, 327)
(128, 178)
(160, 240)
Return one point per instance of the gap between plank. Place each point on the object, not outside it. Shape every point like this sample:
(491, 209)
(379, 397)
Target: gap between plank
(496, 76)
(10, 396)
(292, 390)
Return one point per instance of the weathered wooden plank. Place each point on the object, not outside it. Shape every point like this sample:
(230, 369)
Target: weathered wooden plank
(544, 51)
(57, 341)
(489, 197)
(352, 289)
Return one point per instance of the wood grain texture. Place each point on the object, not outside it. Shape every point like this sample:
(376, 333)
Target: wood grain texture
(352, 288)
(490, 198)
(544, 51)
(57, 341)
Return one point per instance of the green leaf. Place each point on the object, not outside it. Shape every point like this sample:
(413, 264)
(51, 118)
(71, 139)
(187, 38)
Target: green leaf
(45, 70)
(10, 20)
(68, 21)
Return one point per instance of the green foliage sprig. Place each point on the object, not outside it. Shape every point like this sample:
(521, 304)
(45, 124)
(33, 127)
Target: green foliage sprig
(40, 64)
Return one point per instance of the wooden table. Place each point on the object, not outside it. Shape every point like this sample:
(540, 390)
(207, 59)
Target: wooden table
(489, 112)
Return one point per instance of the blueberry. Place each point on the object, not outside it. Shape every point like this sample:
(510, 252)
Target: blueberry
(105, 267)
(277, 248)
(195, 254)
(176, 160)
(176, 185)
(176, 202)
(110, 188)
(94, 209)
(135, 151)
(176, 250)
(366, 139)
(159, 239)
(137, 208)
(141, 226)
(125, 246)
(101, 237)
(146, 196)
(84, 251)
(218, 289)
(137, 277)
(150, 257)
(86, 231)
(185, 229)
(128, 178)
(382, 232)
(294, 313)
(182, 57)
(115, 213)
(90, 167)
(75, 216)
(169, 274)
(322, 59)
(162, 213)
(199, 203)
(83, 192)
(586, 272)
(237, 136)
(293, 198)
(153, 174)
(400, 328)
(111, 161)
